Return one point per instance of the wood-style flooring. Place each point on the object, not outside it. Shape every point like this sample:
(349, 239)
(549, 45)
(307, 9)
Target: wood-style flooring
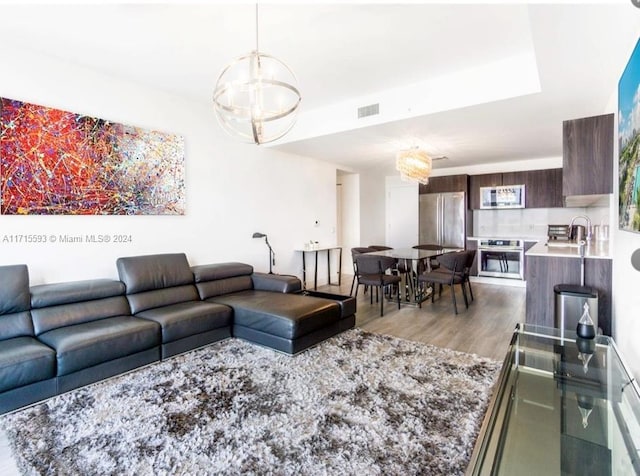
(485, 328)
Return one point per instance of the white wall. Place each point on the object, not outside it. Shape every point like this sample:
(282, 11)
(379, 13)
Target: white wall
(626, 279)
(350, 224)
(372, 209)
(233, 189)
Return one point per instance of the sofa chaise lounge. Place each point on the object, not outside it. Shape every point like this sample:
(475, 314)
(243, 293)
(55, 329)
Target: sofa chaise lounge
(57, 337)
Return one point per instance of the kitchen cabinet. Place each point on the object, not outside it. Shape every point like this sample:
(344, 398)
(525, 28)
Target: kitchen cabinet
(542, 273)
(478, 181)
(448, 183)
(527, 245)
(543, 188)
(587, 155)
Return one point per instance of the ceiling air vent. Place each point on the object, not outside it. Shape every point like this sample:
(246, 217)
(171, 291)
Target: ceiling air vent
(366, 111)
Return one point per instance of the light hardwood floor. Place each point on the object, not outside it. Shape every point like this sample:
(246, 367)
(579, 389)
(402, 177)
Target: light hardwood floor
(484, 329)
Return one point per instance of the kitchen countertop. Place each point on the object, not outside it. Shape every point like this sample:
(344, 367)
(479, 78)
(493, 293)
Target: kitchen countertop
(596, 249)
(494, 237)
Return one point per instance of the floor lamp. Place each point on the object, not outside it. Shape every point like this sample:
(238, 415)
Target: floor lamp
(272, 255)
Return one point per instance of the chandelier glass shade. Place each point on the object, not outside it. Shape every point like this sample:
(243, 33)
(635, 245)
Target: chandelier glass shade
(414, 165)
(256, 97)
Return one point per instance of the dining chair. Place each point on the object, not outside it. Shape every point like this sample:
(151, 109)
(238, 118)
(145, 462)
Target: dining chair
(432, 263)
(354, 252)
(372, 271)
(451, 272)
(471, 257)
(400, 265)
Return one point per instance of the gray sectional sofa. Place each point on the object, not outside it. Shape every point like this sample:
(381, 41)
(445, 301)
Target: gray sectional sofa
(57, 337)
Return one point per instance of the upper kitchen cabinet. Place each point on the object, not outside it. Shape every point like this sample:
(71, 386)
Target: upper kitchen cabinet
(478, 181)
(543, 188)
(449, 183)
(587, 151)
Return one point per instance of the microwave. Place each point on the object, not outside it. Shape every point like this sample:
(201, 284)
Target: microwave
(505, 196)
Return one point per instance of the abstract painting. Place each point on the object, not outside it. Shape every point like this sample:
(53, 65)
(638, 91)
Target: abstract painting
(629, 144)
(54, 162)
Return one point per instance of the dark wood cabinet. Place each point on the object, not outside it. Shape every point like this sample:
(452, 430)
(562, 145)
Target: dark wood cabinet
(448, 183)
(478, 181)
(542, 273)
(587, 155)
(543, 188)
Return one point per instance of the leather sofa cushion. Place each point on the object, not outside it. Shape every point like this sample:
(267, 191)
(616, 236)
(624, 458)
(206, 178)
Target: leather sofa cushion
(188, 318)
(145, 273)
(48, 318)
(15, 320)
(279, 283)
(46, 295)
(284, 315)
(84, 345)
(209, 289)
(15, 325)
(212, 272)
(24, 360)
(14, 289)
(162, 297)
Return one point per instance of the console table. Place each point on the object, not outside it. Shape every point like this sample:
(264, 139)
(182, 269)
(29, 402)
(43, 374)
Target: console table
(561, 406)
(315, 270)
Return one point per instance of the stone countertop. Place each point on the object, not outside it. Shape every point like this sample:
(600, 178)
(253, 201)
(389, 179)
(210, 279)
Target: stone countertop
(596, 249)
(501, 237)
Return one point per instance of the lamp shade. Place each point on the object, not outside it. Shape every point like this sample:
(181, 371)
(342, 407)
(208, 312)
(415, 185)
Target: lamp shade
(414, 165)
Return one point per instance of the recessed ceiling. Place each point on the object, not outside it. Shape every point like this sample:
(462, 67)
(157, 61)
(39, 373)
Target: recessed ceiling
(345, 52)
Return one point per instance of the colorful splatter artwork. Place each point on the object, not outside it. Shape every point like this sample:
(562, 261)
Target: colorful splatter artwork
(54, 162)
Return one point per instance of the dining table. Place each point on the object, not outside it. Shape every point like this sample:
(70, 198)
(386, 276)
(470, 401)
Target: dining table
(411, 262)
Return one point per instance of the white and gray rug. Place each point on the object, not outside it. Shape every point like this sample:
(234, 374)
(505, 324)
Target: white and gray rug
(359, 403)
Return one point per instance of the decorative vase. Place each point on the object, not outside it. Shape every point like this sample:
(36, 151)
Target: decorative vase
(586, 328)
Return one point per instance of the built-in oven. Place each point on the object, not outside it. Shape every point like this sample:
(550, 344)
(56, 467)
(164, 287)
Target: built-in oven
(501, 258)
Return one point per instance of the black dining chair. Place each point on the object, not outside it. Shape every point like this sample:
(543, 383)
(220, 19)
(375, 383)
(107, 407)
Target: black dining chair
(451, 272)
(431, 264)
(471, 257)
(354, 252)
(400, 265)
(372, 271)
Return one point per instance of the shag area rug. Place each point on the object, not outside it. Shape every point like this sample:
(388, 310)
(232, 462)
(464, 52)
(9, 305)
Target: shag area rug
(359, 403)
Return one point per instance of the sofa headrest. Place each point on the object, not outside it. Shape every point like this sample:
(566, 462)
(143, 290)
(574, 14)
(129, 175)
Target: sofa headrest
(46, 295)
(14, 289)
(146, 273)
(213, 272)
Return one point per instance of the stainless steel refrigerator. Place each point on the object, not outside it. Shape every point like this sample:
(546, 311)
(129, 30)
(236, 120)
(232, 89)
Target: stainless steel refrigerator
(443, 219)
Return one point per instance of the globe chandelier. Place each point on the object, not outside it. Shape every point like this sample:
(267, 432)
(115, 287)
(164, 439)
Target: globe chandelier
(414, 165)
(256, 97)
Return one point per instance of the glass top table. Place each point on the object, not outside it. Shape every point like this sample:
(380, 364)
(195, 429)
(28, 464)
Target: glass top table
(413, 292)
(562, 406)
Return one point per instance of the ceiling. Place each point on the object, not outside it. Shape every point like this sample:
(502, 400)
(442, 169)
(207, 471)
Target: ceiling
(445, 75)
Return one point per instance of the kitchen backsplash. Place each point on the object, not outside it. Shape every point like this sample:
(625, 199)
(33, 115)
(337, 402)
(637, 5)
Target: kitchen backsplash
(531, 222)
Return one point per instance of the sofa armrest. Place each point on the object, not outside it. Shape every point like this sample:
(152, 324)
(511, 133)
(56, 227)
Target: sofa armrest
(278, 283)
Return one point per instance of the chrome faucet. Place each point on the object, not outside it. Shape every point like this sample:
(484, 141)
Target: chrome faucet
(588, 220)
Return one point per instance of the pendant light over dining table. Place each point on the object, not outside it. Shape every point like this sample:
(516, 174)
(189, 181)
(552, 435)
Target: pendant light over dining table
(414, 165)
(256, 97)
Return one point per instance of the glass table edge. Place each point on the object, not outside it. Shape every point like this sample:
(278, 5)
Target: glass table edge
(482, 461)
